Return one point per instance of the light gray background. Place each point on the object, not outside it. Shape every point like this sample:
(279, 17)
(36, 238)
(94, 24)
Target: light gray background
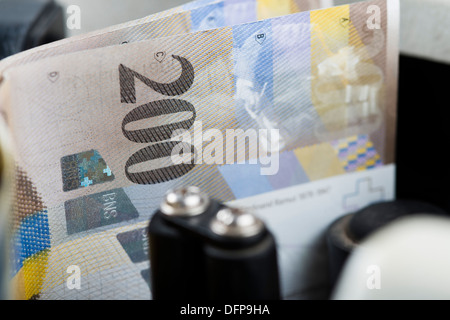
(99, 14)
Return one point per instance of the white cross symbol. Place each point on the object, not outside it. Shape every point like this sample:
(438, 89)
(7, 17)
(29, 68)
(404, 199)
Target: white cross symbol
(364, 195)
(86, 182)
(107, 171)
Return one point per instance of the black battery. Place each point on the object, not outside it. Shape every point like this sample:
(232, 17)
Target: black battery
(201, 249)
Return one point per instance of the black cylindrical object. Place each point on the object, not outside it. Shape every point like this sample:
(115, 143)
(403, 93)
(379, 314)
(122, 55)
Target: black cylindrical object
(201, 249)
(175, 260)
(244, 274)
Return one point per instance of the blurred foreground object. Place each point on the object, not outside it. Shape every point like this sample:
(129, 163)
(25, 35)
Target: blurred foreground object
(348, 232)
(25, 24)
(201, 249)
(406, 260)
(6, 179)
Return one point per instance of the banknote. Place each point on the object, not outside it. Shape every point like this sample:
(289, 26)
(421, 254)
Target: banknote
(293, 117)
(193, 16)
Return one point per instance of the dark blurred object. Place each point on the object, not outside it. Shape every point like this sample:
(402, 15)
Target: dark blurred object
(423, 131)
(349, 231)
(25, 24)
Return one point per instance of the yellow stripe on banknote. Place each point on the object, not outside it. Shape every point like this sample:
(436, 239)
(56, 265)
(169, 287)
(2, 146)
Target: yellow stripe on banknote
(266, 9)
(27, 282)
(333, 27)
(329, 35)
(319, 161)
(362, 150)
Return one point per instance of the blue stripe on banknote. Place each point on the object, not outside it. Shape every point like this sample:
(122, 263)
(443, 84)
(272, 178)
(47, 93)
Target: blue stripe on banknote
(32, 237)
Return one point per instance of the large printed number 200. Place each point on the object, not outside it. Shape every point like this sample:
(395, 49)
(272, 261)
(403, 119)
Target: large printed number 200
(159, 136)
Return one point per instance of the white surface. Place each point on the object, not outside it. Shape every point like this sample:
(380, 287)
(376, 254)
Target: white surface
(425, 29)
(411, 259)
(99, 14)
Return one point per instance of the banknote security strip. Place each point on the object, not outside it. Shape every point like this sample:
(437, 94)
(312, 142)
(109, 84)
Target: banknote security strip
(325, 79)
